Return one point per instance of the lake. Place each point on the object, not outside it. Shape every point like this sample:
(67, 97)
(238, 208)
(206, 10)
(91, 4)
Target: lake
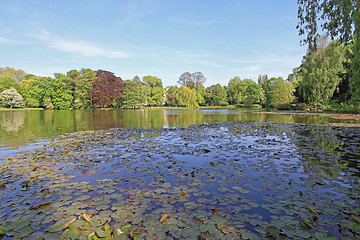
(18, 129)
(152, 174)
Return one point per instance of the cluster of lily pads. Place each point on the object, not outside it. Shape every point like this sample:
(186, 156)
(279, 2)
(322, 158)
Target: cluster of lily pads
(210, 181)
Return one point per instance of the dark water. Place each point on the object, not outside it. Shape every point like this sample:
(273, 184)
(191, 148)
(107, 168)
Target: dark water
(18, 129)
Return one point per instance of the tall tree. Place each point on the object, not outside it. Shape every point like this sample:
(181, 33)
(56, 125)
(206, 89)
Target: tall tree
(218, 95)
(134, 93)
(279, 93)
(340, 19)
(235, 91)
(83, 82)
(156, 92)
(63, 92)
(192, 80)
(185, 97)
(252, 93)
(107, 87)
(17, 75)
(320, 72)
(7, 82)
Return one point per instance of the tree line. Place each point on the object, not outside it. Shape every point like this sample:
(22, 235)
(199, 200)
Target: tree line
(323, 76)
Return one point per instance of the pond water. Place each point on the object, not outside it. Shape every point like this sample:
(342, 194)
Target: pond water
(18, 129)
(249, 176)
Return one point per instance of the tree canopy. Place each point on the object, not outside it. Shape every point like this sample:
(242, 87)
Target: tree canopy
(339, 20)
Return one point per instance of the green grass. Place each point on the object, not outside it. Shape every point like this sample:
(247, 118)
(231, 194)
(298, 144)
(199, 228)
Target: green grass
(18, 109)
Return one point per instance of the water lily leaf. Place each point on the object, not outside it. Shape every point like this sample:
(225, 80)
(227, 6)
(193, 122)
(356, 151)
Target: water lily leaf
(4, 229)
(324, 236)
(150, 237)
(104, 233)
(271, 230)
(71, 233)
(191, 205)
(23, 232)
(20, 224)
(57, 227)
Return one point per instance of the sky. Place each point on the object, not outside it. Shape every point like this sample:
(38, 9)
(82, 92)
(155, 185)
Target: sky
(163, 38)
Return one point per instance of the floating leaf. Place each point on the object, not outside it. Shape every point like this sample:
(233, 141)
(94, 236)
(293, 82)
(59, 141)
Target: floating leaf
(107, 231)
(271, 230)
(20, 224)
(71, 233)
(57, 227)
(4, 229)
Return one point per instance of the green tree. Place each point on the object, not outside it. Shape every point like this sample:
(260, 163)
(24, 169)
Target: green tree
(11, 98)
(7, 82)
(340, 20)
(252, 93)
(156, 92)
(62, 97)
(200, 95)
(134, 93)
(83, 82)
(218, 95)
(17, 75)
(280, 94)
(235, 91)
(320, 72)
(185, 97)
(192, 80)
(170, 96)
(27, 88)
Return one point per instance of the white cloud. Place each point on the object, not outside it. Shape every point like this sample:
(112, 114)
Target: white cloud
(78, 46)
(4, 40)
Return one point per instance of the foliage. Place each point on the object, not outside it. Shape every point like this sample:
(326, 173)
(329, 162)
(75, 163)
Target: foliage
(217, 96)
(340, 20)
(107, 87)
(200, 95)
(11, 98)
(235, 91)
(252, 93)
(83, 83)
(17, 75)
(7, 82)
(170, 96)
(62, 97)
(155, 91)
(192, 80)
(185, 97)
(320, 72)
(134, 94)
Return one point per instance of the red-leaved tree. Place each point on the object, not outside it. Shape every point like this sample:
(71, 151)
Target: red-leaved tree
(107, 87)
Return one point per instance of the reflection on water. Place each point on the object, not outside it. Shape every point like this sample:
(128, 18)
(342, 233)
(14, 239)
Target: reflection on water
(19, 128)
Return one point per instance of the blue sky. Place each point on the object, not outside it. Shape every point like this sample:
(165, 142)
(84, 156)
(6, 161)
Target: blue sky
(164, 38)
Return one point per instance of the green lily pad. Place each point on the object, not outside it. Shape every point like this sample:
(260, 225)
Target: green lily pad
(57, 227)
(4, 229)
(104, 233)
(71, 233)
(20, 224)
